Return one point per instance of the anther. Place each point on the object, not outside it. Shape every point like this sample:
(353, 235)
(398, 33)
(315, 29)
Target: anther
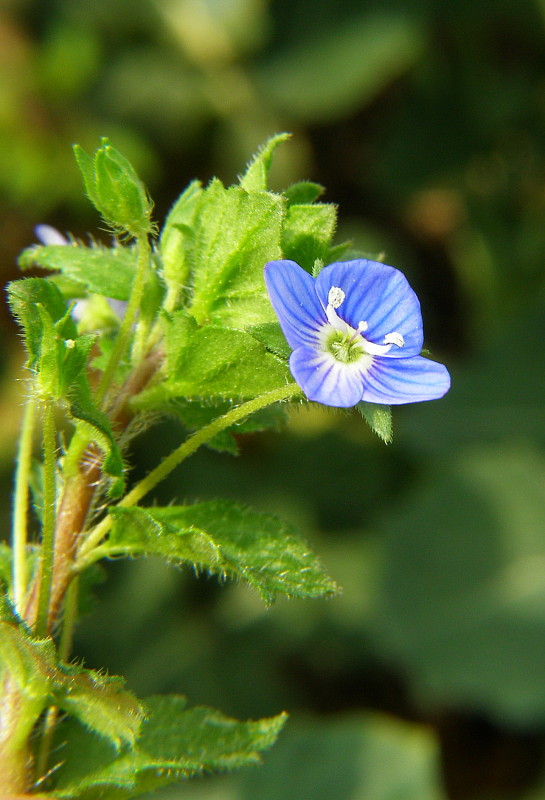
(335, 297)
(394, 338)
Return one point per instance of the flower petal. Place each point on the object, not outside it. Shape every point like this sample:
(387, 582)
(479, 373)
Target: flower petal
(326, 380)
(378, 295)
(394, 381)
(295, 302)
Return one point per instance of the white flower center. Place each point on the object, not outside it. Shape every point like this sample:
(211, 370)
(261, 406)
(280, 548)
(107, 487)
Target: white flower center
(335, 299)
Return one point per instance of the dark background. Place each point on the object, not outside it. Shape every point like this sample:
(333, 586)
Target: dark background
(425, 120)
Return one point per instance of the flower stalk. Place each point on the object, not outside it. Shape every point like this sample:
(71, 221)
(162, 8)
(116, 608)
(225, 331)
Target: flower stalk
(20, 505)
(88, 552)
(49, 516)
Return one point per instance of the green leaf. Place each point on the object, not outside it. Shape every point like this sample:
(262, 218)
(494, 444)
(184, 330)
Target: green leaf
(30, 662)
(303, 193)
(227, 540)
(83, 408)
(270, 334)
(108, 271)
(236, 233)
(101, 703)
(256, 177)
(212, 363)
(177, 238)
(379, 419)
(28, 299)
(308, 231)
(175, 743)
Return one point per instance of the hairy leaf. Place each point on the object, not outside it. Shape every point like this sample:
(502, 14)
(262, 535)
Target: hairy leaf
(236, 233)
(308, 231)
(212, 363)
(30, 662)
(226, 539)
(303, 192)
(256, 177)
(175, 743)
(101, 703)
(270, 334)
(108, 271)
(28, 299)
(177, 238)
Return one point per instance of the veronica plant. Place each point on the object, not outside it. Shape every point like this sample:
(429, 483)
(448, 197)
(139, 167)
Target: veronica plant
(176, 323)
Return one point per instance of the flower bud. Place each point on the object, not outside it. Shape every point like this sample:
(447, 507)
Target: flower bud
(115, 189)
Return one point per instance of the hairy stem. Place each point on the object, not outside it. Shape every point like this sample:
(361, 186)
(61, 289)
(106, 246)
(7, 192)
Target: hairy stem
(82, 469)
(20, 505)
(18, 715)
(186, 449)
(49, 515)
(123, 337)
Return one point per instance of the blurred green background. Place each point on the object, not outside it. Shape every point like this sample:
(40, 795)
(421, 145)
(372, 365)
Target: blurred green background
(425, 120)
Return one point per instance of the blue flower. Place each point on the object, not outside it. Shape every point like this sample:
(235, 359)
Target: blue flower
(356, 334)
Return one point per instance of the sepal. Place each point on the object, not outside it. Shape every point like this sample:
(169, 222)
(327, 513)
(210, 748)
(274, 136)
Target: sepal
(379, 419)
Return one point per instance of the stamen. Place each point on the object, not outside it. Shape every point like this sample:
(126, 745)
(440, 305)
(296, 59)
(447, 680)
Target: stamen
(394, 338)
(336, 296)
(362, 326)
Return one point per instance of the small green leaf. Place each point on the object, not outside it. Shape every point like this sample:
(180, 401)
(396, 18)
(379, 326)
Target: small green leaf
(256, 177)
(379, 419)
(308, 231)
(97, 425)
(28, 300)
(108, 271)
(226, 539)
(176, 743)
(303, 193)
(236, 233)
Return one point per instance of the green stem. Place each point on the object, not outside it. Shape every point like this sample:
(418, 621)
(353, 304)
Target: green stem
(125, 329)
(65, 646)
(20, 505)
(182, 452)
(49, 514)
